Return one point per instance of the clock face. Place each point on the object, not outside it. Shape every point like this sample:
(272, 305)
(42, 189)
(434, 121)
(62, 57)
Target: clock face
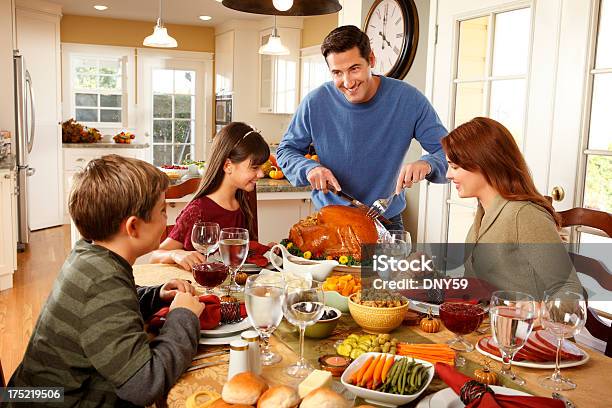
(392, 26)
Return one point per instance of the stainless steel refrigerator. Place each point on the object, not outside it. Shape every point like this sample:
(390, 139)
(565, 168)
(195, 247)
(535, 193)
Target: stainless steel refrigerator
(25, 119)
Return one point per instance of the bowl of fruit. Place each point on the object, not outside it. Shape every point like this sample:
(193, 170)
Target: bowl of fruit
(339, 288)
(326, 324)
(174, 171)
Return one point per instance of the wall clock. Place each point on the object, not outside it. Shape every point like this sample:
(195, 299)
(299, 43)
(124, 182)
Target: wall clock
(393, 29)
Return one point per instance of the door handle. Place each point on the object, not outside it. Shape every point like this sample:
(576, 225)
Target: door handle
(30, 172)
(557, 193)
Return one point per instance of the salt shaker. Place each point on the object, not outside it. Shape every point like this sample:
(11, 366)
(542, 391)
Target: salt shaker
(239, 358)
(252, 338)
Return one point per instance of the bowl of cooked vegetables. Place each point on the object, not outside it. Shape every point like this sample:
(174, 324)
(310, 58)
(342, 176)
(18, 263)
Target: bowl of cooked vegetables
(377, 311)
(339, 288)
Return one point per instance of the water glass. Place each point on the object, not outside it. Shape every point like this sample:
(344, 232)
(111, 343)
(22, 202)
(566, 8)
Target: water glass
(303, 306)
(512, 317)
(564, 315)
(234, 248)
(263, 296)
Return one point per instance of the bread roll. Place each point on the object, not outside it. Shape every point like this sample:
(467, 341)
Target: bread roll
(279, 396)
(222, 404)
(244, 388)
(324, 398)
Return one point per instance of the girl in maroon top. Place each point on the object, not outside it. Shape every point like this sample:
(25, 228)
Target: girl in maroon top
(237, 153)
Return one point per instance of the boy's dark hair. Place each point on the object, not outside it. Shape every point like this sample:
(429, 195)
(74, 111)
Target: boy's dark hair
(111, 189)
(344, 38)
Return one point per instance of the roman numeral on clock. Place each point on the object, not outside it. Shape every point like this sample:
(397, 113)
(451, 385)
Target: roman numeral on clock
(395, 49)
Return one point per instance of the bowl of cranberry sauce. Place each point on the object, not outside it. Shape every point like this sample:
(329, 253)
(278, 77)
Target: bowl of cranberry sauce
(461, 318)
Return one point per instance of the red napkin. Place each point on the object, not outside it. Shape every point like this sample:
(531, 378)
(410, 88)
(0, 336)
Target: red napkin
(256, 252)
(456, 380)
(209, 319)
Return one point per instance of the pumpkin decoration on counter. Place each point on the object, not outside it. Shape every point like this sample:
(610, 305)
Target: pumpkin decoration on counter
(484, 374)
(430, 324)
(276, 173)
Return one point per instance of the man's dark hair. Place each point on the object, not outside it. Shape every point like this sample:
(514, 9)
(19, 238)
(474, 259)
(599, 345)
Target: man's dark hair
(344, 38)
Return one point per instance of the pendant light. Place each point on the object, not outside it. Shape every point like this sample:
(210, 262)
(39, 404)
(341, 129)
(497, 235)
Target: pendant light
(291, 7)
(160, 37)
(274, 46)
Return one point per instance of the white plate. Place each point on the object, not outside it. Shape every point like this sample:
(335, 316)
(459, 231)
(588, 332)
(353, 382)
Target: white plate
(226, 330)
(218, 341)
(447, 398)
(423, 307)
(547, 365)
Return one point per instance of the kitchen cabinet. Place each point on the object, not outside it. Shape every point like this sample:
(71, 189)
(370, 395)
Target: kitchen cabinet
(314, 71)
(8, 228)
(279, 74)
(224, 63)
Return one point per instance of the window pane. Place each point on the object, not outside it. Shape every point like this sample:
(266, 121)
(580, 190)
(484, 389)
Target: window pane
(183, 130)
(109, 82)
(472, 48)
(184, 106)
(511, 44)
(162, 155)
(112, 67)
(184, 82)
(162, 106)
(600, 134)
(182, 152)
(108, 115)
(460, 220)
(508, 106)
(162, 81)
(86, 115)
(469, 101)
(110, 101)
(82, 99)
(85, 66)
(162, 131)
(85, 82)
(603, 54)
(598, 183)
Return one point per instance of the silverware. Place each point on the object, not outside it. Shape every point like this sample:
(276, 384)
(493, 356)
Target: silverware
(205, 355)
(566, 401)
(357, 203)
(379, 206)
(204, 365)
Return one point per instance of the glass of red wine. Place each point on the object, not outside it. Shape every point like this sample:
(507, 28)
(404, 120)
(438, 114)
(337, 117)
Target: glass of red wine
(461, 319)
(210, 275)
(234, 248)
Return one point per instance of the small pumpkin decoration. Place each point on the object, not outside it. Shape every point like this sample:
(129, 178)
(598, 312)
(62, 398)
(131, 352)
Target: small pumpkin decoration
(430, 324)
(485, 375)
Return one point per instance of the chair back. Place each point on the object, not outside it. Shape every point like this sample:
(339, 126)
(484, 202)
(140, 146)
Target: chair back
(191, 185)
(602, 221)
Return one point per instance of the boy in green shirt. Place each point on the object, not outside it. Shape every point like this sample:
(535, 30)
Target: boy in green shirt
(90, 336)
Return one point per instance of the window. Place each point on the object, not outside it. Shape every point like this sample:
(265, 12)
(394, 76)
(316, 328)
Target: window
(597, 155)
(97, 89)
(173, 115)
(314, 72)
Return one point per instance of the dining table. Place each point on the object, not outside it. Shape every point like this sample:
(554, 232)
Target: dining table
(593, 390)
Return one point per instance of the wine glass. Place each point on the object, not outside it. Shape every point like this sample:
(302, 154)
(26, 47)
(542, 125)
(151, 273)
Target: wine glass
(564, 315)
(303, 306)
(512, 317)
(263, 297)
(234, 248)
(461, 319)
(403, 240)
(205, 237)
(210, 275)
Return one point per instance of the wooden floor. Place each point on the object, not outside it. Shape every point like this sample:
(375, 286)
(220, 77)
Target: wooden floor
(20, 306)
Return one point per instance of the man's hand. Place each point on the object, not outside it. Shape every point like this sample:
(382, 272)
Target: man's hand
(186, 259)
(320, 176)
(188, 302)
(412, 173)
(174, 286)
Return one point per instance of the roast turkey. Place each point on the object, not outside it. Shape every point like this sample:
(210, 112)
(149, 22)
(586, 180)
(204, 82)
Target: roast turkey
(335, 230)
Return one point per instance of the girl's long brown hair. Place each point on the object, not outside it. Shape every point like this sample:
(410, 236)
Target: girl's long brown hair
(233, 142)
(485, 146)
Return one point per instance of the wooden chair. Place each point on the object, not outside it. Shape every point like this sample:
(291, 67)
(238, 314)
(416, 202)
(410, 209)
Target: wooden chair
(602, 221)
(191, 185)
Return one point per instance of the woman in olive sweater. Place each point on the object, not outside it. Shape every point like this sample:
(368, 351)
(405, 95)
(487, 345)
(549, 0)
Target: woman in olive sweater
(514, 242)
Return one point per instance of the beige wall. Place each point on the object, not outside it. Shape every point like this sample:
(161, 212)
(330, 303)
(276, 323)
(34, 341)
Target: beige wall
(316, 28)
(129, 33)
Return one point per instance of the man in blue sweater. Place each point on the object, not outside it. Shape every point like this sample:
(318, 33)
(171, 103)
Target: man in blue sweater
(361, 126)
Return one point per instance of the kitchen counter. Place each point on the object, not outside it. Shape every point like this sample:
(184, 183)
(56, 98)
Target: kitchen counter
(267, 185)
(106, 145)
(8, 163)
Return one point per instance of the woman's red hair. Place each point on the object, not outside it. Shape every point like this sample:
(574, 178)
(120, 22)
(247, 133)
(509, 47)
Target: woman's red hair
(485, 146)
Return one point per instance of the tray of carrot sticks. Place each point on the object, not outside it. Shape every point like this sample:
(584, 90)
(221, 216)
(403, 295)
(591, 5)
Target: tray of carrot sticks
(434, 353)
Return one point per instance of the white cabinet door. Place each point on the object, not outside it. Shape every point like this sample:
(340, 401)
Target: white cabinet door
(8, 249)
(38, 40)
(224, 62)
